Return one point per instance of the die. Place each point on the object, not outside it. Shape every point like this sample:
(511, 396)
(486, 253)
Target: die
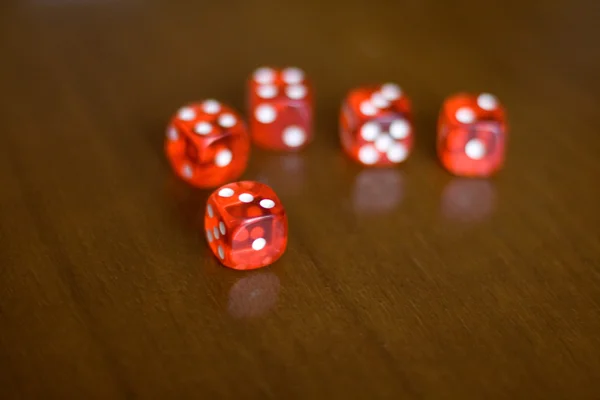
(376, 127)
(280, 107)
(246, 225)
(471, 137)
(207, 144)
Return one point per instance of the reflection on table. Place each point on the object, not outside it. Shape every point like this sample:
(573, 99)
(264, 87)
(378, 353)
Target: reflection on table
(285, 173)
(468, 200)
(253, 295)
(377, 190)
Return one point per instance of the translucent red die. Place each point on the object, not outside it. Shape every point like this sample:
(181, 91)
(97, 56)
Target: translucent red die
(207, 144)
(471, 138)
(376, 127)
(246, 225)
(280, 103)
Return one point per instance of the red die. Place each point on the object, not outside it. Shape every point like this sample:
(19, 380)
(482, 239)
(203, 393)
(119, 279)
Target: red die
(376, 125)
(207, 144)
(280, 106)
(246, 225)
(471, 135)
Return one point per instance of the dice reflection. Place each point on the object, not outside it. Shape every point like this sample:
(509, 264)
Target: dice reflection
(254, 295)
(285, 173)
(468, 200)
(377, 191)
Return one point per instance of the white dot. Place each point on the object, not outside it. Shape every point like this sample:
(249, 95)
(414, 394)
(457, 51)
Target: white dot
(475, 149)
(370, 131)
(223, 158)
(267, 203)
(295, 92)
(293, 136)
(379, 100)
(487, 101)
(221, 253)
(186, 114)
(397, 153)
(246, 197)
(209, 235)
(227, 120)
(211, 106)
(259, 244)
(203, 128)
(172, 134)
(368, 155)
(265, 113)
(292, 75)
(391, 91)
(264, 75)
(209, 210)
(226, 192)
(399, 129)
(222, 228)
(384, 142)
(465, 115)
(266, 91)
(367, 108)
(216, 232)
(186, 171)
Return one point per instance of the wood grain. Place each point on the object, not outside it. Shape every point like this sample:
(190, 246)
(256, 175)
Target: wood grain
(398, 284)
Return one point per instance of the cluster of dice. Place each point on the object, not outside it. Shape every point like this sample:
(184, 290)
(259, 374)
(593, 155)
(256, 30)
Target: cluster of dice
(208, 145)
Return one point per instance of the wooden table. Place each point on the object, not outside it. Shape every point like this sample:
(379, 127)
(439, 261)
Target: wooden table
(397, 284)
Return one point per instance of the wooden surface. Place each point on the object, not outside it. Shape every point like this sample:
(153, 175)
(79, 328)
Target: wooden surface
(397, 284)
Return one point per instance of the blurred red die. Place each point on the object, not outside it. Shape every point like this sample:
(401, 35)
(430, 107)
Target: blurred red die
(280, 103)
(207, 144)
(471, 138)
(376, 127)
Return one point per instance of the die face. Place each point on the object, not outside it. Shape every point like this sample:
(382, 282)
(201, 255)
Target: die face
(476, 150)
(258, 242)
(207, 144)
(280, 103)
(246, 225)
(376, 127)
(472, 135)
